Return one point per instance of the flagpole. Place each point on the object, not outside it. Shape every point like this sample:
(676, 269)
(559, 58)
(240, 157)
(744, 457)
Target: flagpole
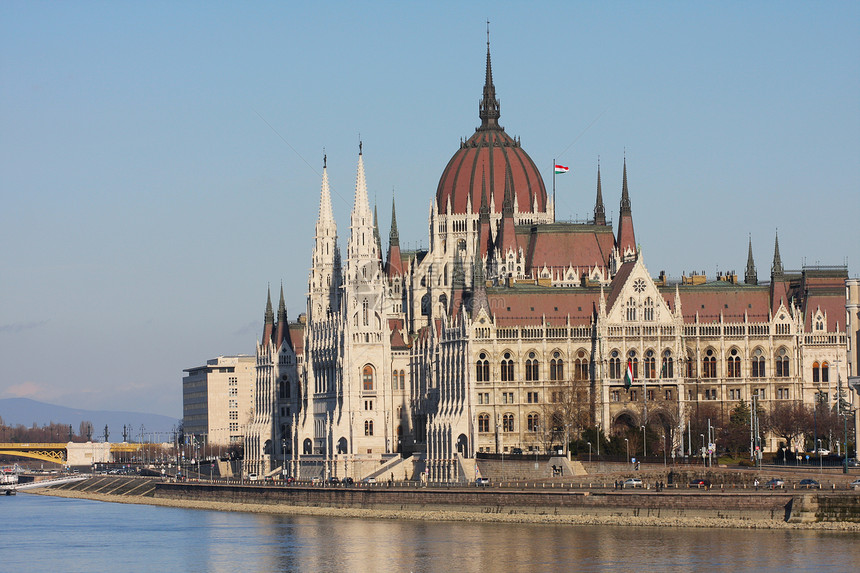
(554, 207)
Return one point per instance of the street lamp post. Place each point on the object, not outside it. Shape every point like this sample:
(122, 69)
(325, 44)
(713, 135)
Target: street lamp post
(589, 452)
(627, 445)
(703, 448)
(664, 450)
(820, 460)
(644, 444)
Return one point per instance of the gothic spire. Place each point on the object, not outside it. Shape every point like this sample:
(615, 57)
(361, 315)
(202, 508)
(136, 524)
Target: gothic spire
(393, 235)
(625, 195)
(270, 315)
(268, 319)
(599, 209)
(376, 232)
(750, 276)
(776, 270)
(282, 307)
(326, 214)
(488, 109)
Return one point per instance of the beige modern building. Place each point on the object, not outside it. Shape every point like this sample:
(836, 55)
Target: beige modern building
(218, 399)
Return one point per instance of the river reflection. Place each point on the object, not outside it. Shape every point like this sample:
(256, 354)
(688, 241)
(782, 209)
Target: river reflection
(52, 534)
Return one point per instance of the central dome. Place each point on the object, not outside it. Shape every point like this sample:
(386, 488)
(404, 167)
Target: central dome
(481, 163)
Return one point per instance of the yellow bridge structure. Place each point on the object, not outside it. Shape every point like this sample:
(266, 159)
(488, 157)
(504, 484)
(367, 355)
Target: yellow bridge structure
(58, 453)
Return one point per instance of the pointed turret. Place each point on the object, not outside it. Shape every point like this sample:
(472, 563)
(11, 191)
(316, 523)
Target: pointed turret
(507, 240)
(479, 287)
(599, 209)
(363, 244)
(268, 319)
(395, 262)
(282, 328)
(324, 277)
(776, 270)
(626, 238)
(750, 276)
(376, 232)
(485, 239)
(488, 109)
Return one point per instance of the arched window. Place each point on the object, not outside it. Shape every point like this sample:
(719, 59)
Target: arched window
(650, 364)
(825, 371)
(394, 380)
(533, 422)
(425, 305)
(734, 364)
(367, 377)
(507, 368)
(691, 364)
(508, 423)
(668, 368)
(443, 300)
(648, 311)
(709, 364)
(615, 365)
(556, 366)
(782, 370)
(364, 313)
(482, 369)
(758, 369)
(580, 366)
(631, 309)
(816, 372)
(402, 380)
(633, 361)
(368, 427)
(483, 423)
(532, 368)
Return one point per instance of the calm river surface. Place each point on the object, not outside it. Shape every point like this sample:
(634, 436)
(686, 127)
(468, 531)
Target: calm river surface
(43, 533)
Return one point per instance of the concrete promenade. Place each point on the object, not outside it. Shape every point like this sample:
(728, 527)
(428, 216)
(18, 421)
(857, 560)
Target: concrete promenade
(735, 508)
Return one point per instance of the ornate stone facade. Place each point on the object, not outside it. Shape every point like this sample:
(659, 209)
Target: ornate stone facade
(513, 332)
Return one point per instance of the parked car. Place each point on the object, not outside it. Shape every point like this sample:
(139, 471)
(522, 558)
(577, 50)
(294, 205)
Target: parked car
(369, 480)
(823, 452)
(333, 480)
(700, 483)
(853, 463)
(774, 483)
(289, 479)
(517, 451)
(316, 481)
(252, 477)
(632, 482)
(810, 484)
(855, 483)
(482, 482)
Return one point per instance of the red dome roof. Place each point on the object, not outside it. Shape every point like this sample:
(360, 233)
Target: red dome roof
(482, 162)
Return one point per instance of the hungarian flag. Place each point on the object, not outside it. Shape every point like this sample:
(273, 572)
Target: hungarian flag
(628, 375)
(561, 169)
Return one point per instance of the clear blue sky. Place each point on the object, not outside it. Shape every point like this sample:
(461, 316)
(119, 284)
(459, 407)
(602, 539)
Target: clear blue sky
(160, 162)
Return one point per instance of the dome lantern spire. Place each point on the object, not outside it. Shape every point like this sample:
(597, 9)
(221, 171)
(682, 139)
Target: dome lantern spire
(488, 109)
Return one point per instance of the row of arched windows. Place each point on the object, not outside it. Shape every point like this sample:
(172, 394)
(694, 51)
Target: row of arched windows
(398, 379)
(647, 309)
(532, 367)
(649, 363)
(734, 364)
(508, 423)
(820, 372)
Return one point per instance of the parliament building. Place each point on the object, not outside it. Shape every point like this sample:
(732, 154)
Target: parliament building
(514, 331)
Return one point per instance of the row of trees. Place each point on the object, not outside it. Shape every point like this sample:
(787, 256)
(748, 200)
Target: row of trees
(52, 432)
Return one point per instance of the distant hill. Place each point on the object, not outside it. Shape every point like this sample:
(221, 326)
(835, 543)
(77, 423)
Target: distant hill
(26, 412)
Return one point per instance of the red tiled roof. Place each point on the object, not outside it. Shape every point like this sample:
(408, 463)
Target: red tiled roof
(731, 300)
(297, 332)
(618, 282)
(486, 156)
(529, 305)
(560, 245)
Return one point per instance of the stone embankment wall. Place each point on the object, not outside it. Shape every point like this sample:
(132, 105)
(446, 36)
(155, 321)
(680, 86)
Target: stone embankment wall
(774, 506)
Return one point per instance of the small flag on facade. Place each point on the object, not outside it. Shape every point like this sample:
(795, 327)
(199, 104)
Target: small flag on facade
(561, 169)
(628, 375)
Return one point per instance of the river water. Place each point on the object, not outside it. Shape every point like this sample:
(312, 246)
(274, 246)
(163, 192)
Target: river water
(42, 533)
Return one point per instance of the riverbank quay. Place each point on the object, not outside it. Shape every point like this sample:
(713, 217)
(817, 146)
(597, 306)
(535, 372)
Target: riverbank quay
(750, 510)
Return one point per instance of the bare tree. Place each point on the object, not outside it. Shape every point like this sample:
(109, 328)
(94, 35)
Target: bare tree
(789, 420)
